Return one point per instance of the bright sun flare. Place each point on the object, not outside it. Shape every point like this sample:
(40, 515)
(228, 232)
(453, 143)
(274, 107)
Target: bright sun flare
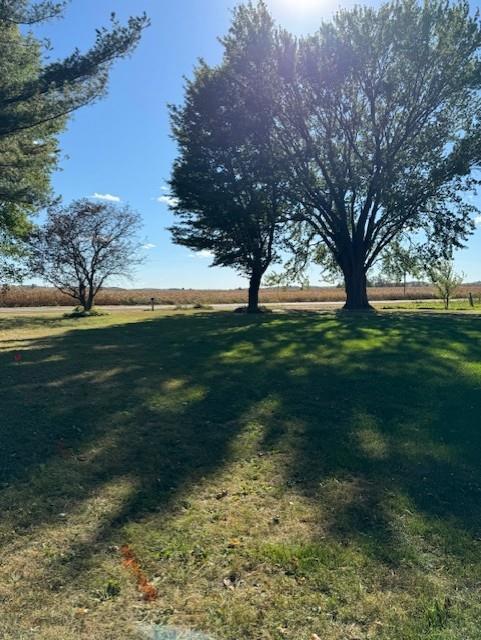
(303, 9)
(301, 5)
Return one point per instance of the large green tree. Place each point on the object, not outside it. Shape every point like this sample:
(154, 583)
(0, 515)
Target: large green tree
(35, 100)
(380, 121)
(228, 180)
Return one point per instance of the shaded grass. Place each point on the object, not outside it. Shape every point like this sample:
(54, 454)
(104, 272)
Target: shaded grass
(276, 476)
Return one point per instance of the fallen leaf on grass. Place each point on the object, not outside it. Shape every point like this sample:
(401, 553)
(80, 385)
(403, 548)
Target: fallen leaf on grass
(235, 542)
(228, 584)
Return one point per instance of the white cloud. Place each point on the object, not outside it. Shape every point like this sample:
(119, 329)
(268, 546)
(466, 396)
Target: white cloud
(106, 196)
(148, 245)
(477, 221)
(168, 200)
(203, 253)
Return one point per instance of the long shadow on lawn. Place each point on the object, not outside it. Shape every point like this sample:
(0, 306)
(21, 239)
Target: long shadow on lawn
(396, 419)
(382, 401)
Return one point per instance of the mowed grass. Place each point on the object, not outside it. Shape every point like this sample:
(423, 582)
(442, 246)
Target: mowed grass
(434, 305)
(276, 477)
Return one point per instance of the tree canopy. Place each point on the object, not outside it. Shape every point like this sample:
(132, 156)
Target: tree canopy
(36, 98)
(60, 87)
(228, 184)
(364, 131)
(83, 245)
(380, 122)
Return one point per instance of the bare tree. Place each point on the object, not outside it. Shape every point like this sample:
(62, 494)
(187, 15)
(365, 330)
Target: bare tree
(84, 244)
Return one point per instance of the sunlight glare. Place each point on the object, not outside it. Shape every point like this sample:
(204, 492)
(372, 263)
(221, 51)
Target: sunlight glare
(301, 14)
(300, 5)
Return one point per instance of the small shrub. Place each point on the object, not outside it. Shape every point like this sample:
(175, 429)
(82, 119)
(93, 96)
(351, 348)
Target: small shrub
(261, 309)
(79, 312)
(438, 613)
(111, 589)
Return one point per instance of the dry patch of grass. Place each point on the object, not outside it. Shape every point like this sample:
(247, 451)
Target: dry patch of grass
(277, 478)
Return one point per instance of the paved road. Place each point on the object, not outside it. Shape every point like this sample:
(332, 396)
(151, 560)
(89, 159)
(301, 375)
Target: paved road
(221, 307)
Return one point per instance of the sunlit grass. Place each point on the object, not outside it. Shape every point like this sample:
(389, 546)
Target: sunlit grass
(277, 476)
(436, 305)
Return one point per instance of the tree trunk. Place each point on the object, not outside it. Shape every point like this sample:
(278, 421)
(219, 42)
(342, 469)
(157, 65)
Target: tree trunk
(356, 288)
(254, 286)
(86, 297)
(89, 302)
(81, 296)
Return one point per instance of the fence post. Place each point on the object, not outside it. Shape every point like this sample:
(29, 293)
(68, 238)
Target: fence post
(152, 303)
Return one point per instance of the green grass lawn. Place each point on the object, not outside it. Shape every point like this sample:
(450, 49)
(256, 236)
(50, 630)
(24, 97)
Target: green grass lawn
(434, 305)
(276, 477)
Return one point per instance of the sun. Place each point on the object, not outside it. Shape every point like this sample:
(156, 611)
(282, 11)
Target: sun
(301, 5)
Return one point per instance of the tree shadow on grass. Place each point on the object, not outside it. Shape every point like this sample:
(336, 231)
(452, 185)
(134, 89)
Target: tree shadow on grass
(398, 422)
(385, 403)
(30, 321)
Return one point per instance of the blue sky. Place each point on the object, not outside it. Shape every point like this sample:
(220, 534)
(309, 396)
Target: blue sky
(121, 145)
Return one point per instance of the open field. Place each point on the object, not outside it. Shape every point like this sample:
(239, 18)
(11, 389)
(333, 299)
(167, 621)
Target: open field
(261, 478)
(47, 296)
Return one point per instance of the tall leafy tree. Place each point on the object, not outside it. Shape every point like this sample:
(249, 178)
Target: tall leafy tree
(381, 123)
(35, 100)
(26, 157)
(228, 180)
